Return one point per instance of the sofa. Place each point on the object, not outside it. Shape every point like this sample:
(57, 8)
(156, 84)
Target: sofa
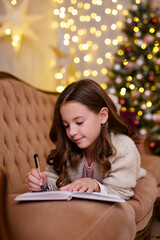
(26, 115)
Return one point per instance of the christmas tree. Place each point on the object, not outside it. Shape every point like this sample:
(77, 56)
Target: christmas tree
(135, 72)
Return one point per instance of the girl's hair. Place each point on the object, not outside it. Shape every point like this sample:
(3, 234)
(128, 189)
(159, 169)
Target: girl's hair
(65, 152)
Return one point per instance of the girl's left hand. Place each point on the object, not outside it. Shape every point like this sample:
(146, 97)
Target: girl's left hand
(88, 185)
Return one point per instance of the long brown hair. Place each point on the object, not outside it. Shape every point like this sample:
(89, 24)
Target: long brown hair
(89, 93)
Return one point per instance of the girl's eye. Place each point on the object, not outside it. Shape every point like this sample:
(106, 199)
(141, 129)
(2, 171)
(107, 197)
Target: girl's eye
(79, 123)
(66, 126)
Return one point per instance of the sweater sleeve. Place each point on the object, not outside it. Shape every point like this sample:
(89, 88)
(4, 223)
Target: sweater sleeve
(125, 168)
(51, 178)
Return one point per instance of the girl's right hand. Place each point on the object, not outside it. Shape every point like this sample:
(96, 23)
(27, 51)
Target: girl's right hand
(35, 179)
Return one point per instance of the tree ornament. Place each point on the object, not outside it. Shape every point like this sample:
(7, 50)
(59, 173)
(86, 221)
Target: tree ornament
(135, 94)
(135, 103)
(152, 144)
(136, 122)
(148, 93)
(156, 118)
(155, 20)
(158, 34)
(128, 49)
(129, 66)
(140, 61)
(139, 76)
(129, 20)
(154, 6)
(140, 42)
(148, 116)
(117, 66)
(151, 78)
(148, 39)
(125, 40)
(157, 61)
(122, 101)
(145, 16)
(135, 7)
(112, 90)
(138, 34)
(129, 23)
(143, 131)
(129, 119)
(118, 80)
(143, 106)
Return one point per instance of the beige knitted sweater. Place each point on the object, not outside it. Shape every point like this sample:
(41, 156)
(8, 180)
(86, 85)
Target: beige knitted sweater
(123, 175)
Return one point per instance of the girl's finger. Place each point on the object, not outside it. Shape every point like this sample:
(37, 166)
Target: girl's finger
(34, 172)
(77, 187)
(89, 190)
(64, 188)
(83, 188)
(33, 188)
(34, 180)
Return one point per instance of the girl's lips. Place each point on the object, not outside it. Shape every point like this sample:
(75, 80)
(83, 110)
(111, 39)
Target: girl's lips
(77, 140)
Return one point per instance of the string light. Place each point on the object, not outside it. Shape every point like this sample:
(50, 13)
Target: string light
(120, 52)
(74, 20)
(139, 113)
(141, 89)
(104, 71)
(123, 91)
(100, 61)
(132, 86)
(59, 89)
(149, 104)
(123, 109)
(14, 2)
(8, 31)
(152, 30)
(104, 86)
(135, 29)
(76, 60)
(143, 46)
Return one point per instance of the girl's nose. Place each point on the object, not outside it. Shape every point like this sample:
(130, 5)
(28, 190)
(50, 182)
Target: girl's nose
(72, 130)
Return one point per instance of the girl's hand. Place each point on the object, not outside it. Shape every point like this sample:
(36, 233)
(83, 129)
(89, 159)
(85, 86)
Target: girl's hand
(35, 179)
(88, 185)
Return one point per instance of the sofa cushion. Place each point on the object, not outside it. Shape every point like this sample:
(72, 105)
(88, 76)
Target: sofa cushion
(145, 194)
(71, 220)
(152, 164)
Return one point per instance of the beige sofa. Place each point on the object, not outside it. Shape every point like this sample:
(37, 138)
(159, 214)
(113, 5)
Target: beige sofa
(25, 119)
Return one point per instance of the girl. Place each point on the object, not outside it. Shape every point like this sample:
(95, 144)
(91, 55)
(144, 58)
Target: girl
(93, 151)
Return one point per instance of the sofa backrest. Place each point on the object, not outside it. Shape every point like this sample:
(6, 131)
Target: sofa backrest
(25, 119)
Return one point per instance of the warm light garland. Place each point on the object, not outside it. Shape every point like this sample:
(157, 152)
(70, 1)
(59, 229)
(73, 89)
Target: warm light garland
(85, 32)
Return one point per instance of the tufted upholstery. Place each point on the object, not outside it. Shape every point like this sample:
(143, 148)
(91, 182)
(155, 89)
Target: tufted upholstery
(25, 119)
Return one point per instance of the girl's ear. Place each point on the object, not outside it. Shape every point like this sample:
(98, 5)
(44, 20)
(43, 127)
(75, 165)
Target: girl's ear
(104, 115)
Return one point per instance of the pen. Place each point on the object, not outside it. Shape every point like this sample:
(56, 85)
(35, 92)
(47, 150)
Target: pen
(37, 166)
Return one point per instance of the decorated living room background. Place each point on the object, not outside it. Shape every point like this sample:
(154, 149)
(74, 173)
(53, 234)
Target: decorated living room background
(51, 43)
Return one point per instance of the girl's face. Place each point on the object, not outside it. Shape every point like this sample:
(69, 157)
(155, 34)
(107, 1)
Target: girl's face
(82, 125)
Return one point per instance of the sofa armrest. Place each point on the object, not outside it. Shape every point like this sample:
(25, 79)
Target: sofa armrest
(4, 225)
